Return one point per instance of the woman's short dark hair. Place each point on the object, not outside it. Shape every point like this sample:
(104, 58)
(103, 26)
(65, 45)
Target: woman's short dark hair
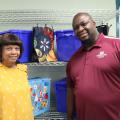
(10, 39)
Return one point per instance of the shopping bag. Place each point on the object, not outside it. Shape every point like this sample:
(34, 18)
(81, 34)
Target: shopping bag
(43, 38)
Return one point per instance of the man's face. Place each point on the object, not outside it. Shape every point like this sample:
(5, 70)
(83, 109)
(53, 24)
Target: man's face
(84, 27)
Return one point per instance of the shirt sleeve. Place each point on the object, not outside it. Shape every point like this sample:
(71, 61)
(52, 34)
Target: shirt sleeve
(22, 67)
(117, 47)
(69, 76)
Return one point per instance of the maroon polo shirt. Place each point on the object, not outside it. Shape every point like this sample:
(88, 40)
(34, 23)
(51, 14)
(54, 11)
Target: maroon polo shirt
(94, 76)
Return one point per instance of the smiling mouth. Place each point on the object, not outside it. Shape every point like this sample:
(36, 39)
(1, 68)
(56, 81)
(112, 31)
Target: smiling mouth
(15, 57)
(83, 36)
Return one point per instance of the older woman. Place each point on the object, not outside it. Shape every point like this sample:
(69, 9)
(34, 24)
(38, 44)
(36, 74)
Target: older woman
(15, 100)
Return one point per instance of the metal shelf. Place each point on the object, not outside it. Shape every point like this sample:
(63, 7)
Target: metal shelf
(53, 17)
(53, 114)
(47, 64)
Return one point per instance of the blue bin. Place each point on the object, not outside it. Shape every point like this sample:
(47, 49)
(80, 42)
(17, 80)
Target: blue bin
(26, 37)
(4, 32)
(40, 95)
(61, 95)
(66, 44)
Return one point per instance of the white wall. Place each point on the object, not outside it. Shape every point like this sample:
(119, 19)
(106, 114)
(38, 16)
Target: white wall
(67, 5)
(57, 4)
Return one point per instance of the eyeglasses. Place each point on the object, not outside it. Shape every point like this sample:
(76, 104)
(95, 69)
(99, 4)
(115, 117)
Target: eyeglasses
(82, 24)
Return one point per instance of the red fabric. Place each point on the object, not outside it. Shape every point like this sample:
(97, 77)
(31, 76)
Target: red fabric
(95, 78)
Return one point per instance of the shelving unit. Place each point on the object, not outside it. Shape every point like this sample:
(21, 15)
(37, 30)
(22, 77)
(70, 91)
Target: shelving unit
(47, 64)
(56, 71)
(61, 17)
(53, 114)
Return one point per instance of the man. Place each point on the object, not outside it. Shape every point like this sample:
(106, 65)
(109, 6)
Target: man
(93, 74)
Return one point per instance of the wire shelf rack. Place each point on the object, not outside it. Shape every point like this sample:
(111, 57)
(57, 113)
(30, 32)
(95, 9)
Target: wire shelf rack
(62, 17)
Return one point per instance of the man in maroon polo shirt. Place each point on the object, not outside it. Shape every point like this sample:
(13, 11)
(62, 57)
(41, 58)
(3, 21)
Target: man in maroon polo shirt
(93, 74)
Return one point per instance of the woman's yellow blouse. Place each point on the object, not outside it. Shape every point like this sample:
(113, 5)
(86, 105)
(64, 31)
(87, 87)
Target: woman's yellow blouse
(15, 99)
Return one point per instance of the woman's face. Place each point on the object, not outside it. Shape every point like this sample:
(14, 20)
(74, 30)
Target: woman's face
(10, 54)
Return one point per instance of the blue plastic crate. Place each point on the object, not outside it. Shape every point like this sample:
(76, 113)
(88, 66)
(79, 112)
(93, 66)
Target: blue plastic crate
(61, 95)
(66, 44)
(4, 32)
(26, 37)
(40, 95)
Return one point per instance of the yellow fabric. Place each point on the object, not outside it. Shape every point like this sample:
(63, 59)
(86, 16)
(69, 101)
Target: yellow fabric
(15, 99)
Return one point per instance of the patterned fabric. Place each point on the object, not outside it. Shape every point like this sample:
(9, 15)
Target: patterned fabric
(15, 99)
(44, 43)
(40, 95)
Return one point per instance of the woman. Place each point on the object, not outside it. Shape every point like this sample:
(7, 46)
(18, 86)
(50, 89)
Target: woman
(15, 99)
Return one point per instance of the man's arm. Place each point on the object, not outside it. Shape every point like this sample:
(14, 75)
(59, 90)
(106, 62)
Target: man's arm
(70, 103)
(70, 94)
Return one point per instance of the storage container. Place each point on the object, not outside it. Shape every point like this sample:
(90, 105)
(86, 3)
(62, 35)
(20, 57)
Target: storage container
(40, 94)
(4, 32)
(61, 95)
(66, 44)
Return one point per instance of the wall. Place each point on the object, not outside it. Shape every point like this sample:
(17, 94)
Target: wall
(57, 4)
(67, 5)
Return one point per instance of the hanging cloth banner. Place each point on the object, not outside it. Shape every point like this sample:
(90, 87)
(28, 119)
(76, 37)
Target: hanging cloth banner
(44, 43)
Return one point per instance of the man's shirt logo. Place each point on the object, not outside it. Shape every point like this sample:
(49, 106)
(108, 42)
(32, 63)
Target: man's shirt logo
(101, 54)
